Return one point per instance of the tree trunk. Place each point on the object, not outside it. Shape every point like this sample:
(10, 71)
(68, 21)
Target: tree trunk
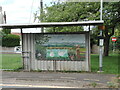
(107, 39)
(106, 46)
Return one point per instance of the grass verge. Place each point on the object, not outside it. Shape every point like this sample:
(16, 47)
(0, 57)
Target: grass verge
(10, 61)
(110, 63)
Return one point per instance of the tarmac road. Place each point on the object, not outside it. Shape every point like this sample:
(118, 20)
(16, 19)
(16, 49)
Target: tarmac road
(56, 89)
(53, 79)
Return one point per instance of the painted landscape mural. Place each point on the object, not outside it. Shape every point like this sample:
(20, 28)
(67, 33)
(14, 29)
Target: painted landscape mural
(69, 47)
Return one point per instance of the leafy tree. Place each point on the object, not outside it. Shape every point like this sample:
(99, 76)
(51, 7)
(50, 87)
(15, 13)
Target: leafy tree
(117, 34)
(1, 35)
(6, 31)
(74, 11)
(70, 12)
(111, 17)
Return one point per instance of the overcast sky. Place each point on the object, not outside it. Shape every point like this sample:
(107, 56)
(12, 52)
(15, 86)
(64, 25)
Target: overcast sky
(21, 11)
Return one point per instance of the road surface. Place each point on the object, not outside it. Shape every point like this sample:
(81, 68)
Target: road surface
(53, 80)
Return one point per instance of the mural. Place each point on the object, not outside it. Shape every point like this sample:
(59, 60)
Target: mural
(60, 47)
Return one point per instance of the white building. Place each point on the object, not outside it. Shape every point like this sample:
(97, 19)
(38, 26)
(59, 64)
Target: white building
(1, 16)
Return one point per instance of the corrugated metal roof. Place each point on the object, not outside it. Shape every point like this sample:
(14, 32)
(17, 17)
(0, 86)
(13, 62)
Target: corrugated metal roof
(50, 24)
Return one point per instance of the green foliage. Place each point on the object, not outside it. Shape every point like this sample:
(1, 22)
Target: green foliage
(94, 36)
(112, 85)
(71, 11)
(111, 13)
(1, 35)
(115, 45)
(117, 34)
(6, 31)
(118, 43)
(111, 16)
(81, 11)
(94, 84)
(10, 40)
(41, 39)
(64, 29)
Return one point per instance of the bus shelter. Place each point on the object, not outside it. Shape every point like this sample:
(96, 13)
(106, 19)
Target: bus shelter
(57, 51)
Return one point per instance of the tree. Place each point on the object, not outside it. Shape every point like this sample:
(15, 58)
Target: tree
(1, 35)
(6, 31)
(70, 12)
(74, 11)
(117, 34)
(111, 17)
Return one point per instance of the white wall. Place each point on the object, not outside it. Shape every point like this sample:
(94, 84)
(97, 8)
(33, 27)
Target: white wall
(1, 16)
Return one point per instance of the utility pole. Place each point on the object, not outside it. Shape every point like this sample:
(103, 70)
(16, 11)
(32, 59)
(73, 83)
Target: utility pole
(100, 51)
(5, 17)
(101, 8)
(41, 12)
(101, 40)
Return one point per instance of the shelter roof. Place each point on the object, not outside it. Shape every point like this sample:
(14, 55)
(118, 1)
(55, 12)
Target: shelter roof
(50, 24)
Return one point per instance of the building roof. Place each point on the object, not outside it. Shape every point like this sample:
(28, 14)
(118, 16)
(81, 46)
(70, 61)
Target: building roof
(50, 24)
(19, 34)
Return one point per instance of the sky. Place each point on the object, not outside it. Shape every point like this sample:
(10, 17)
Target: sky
(21, 11)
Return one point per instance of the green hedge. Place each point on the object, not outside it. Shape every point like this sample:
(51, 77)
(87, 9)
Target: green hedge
(10, 40)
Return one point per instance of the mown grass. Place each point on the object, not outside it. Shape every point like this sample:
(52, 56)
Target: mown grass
(110, 63)
(10, 61)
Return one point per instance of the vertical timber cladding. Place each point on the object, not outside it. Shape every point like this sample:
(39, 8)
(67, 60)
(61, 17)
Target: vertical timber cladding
(57, 51)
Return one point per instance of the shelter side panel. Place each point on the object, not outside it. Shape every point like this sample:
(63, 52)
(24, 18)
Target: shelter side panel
(61, 52)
